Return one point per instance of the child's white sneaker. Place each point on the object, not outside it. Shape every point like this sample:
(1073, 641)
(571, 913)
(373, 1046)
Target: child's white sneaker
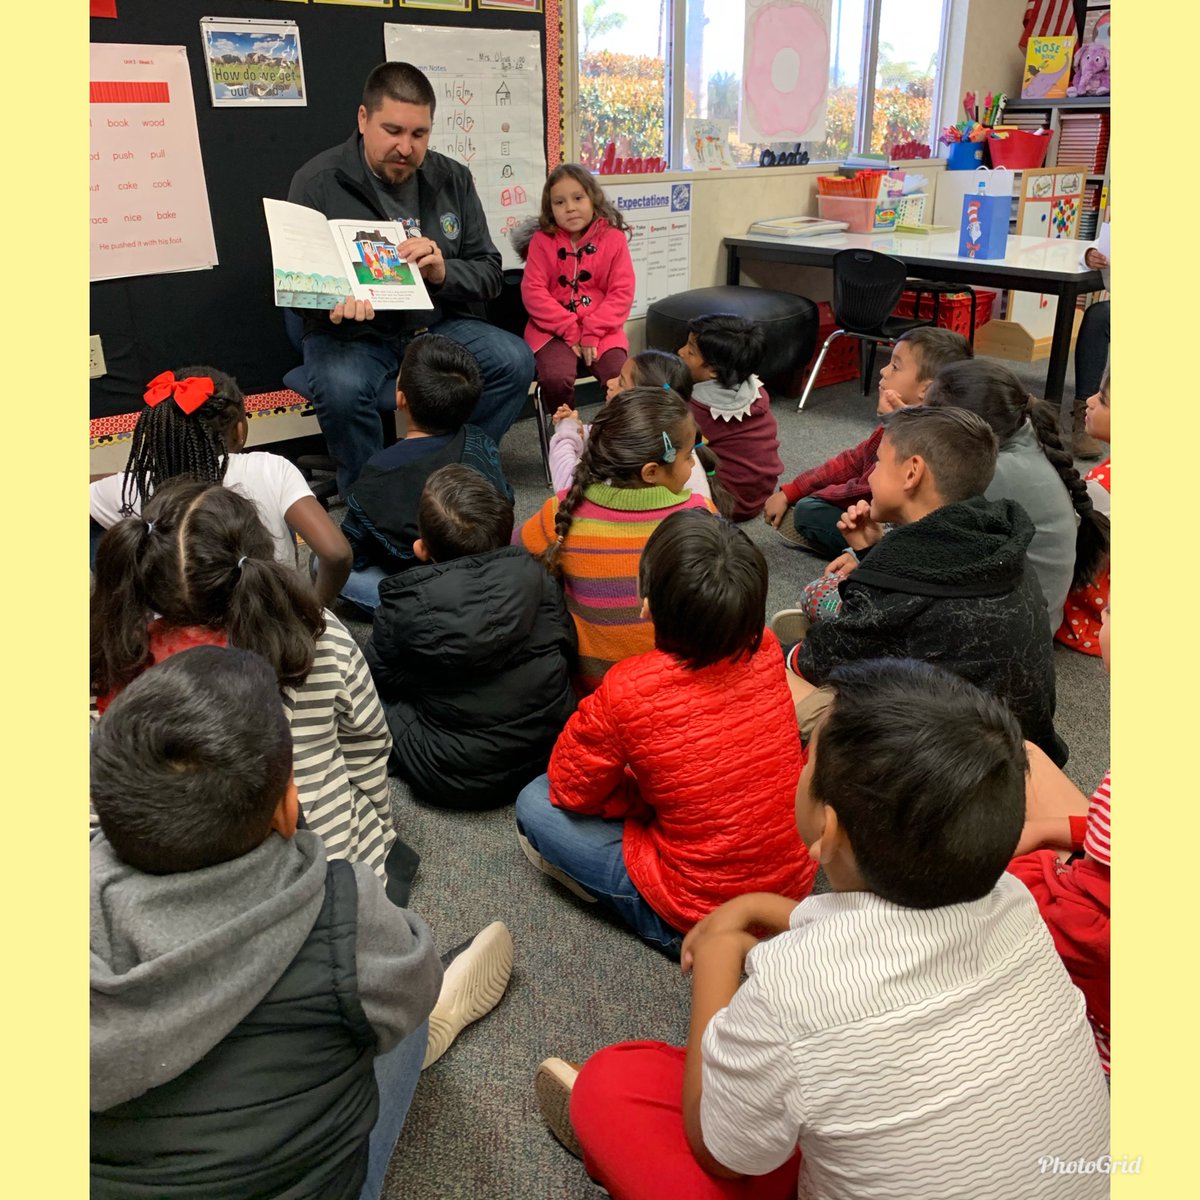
(552, 1085)
(548, 868)
(790, 625)
(471, 987)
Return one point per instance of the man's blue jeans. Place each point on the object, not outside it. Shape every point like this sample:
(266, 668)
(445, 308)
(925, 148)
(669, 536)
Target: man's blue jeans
(396, 1075)
(589, 850)
(346, 376)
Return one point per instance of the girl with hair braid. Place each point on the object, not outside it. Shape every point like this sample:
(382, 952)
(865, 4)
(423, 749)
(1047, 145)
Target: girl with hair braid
(194, 426)
(197, 568)
(632, 474)
(1070, 541)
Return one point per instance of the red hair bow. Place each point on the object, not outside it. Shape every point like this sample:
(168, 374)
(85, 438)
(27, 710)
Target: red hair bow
(189, 393)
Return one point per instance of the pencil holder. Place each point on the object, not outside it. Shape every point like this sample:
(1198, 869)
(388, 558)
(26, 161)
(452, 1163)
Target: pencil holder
(965, 156)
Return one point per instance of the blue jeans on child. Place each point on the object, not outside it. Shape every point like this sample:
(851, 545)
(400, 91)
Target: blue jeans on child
(589, 850)
(346, 377)
(396, 1075)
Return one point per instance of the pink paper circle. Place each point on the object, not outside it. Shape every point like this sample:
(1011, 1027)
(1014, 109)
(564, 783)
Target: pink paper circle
(773, 30)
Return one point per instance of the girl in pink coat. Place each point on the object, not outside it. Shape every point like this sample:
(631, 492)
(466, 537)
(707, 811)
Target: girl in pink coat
(578, 286)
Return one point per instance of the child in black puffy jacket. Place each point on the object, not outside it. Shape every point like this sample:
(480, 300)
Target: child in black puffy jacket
(472, 651)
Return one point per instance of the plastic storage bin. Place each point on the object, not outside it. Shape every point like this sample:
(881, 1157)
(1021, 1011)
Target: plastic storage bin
(857, 211)
(965, 156)
(1019, 150)
(954, 310)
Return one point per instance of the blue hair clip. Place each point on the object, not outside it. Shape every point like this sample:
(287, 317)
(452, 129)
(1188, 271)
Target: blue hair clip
(668, 449)
(666, 387)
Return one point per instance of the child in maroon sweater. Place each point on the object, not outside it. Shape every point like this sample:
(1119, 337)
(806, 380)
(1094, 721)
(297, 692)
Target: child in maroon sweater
(732, 408)
(818, 497)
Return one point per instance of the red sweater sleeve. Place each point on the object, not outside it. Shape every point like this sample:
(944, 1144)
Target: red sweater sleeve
(613, 311)
(544, 311)
(587, 767)
(843, 478)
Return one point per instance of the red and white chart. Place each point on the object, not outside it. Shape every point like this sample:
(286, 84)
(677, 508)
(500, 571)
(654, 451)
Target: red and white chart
(149, 203)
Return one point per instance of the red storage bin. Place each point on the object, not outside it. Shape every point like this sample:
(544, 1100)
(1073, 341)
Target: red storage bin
(954, 310)
(1019, 150)
(841, 363)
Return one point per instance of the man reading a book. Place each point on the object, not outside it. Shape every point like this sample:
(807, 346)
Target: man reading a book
(386, 172)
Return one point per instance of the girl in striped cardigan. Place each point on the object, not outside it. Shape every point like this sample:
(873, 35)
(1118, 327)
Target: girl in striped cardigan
(632, 474)
(197, 567)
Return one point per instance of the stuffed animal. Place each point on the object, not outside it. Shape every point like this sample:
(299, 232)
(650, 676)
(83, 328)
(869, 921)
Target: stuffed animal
(1091, 71)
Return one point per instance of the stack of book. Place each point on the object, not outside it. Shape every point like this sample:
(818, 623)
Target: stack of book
(1030, 122)
(1089, 212)
(1083, 139)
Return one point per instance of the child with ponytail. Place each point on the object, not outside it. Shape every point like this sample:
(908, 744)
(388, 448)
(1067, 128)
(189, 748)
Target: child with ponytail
(198, 568)
(632, 474)
(1070, 540)
(195, 426)
(649, 369)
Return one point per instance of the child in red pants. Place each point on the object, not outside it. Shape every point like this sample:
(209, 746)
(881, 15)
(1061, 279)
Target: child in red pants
(895, 1032)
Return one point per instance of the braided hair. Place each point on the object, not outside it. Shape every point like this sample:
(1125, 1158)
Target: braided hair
(997, 395)
(167, 442)
(198, 555)
(627, 434)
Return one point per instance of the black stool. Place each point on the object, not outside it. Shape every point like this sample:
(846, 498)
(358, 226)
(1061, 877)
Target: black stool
(789, 324)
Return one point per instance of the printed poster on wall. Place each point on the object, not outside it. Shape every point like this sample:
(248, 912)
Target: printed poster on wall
(149, 202)
(253, 64)
(489, 87)
(660, 220)
(785, 71)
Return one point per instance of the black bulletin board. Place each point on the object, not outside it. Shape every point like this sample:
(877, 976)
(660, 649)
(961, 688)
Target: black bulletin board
(226, 317)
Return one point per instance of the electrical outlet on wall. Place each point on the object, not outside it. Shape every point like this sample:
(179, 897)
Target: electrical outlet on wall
(96, 366)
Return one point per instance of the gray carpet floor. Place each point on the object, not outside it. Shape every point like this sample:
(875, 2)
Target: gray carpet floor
(579, 981)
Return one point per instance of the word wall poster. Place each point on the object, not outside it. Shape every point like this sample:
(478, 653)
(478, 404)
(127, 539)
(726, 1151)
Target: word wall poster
(489, 89)
(659, 216)
(149, 202)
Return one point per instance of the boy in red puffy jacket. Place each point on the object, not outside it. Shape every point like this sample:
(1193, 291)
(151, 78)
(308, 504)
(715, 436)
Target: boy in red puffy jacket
(671, 788)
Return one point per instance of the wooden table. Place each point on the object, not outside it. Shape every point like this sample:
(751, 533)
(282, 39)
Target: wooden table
(1031, 264)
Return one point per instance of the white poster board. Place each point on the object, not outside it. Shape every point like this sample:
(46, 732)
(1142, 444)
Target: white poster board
(149, 202)
(785, 71)
(489, 87)
(660, 243)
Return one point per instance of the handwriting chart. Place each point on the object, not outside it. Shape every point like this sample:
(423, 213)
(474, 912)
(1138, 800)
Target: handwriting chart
(489, 88)
(149, 204)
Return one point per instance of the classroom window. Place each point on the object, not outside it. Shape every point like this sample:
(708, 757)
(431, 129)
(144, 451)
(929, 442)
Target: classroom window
(624, 49)
(630, 68)
(910, 35)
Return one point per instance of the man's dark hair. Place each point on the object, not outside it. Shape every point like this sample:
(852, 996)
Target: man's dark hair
(190, 761)
(707, 586)
(927, 776)
(441, 383)
(958, 447)
(399, 81)
(731, 345)
(462, 513)
(935, 348)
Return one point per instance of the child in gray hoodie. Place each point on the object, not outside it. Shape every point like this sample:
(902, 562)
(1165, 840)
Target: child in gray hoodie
(250, 999)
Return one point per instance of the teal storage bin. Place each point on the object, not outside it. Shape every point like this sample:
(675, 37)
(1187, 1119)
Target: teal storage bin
(966, 156)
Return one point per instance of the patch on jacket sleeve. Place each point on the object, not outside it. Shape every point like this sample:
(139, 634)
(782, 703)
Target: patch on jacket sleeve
(450, 225)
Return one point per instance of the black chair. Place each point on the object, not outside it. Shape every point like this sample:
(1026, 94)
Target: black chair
(866, 288)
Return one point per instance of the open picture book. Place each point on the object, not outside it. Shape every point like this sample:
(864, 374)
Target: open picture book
(317, 262)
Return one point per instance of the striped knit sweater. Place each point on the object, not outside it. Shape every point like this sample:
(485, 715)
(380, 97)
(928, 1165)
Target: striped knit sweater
(599, 560)
(340, 742)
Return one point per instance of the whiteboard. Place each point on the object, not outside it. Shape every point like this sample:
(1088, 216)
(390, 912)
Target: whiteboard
(489, 87)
